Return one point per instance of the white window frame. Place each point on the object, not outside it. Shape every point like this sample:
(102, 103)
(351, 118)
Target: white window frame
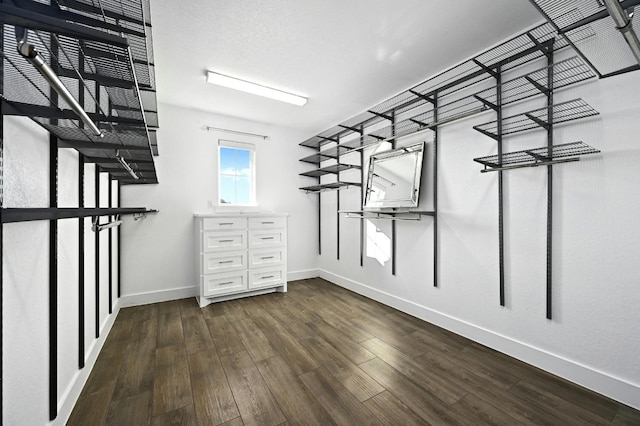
(224, 143)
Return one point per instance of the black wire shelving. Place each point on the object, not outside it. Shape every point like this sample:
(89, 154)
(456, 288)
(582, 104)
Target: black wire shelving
(333, 186)
(587, 25)
(332, 169)
(563, 112)
(565, 73)
(359, 130)
(103, 55)
(536, 157)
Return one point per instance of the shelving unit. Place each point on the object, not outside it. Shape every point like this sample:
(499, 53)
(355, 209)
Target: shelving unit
(557, 75)
(566, 152)
(448, 97)
(112, 76)
(87, 69)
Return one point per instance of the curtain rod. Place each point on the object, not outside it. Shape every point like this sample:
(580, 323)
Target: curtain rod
(237, 132)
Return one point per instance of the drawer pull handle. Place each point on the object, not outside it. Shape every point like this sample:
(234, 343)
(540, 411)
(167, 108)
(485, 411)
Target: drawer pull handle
(266, 257)
(226, 241)
(226, 261)
(267, 223)
(226, 223)
(226, 283)
(268, 276)
(266, 238)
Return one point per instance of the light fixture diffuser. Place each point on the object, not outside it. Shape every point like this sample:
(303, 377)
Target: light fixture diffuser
(256, 89)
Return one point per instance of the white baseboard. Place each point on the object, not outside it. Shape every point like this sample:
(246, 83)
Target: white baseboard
(302, 275)
(612, 387)
(71, 394)
(157, 296)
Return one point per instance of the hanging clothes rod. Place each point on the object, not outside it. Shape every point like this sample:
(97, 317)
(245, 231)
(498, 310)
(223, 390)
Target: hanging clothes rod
(236, 132)
(29, 52)
(97, 227)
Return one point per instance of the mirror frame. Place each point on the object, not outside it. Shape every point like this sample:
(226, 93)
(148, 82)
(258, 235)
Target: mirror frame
(411, 201)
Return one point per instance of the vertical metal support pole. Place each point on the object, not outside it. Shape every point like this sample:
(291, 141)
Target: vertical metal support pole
(1, 226)
(393, 222)
(97, 258)
(53, 280)
(549, 182)
(435, 191)
(97, 234)
(362, 195)
(319, 211)
(500, 185)
(110, 236)
(319, 222)
(53, 260)
(118, 255)
(81, 312)
(81, 220)
(338, 203)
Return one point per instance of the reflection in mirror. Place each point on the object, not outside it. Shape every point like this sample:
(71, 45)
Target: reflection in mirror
(394, 178)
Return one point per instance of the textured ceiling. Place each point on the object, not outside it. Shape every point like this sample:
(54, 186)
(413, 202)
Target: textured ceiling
(344, 55)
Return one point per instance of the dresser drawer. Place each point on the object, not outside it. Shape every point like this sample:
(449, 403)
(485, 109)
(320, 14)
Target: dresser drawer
(266, 257)
(223, 261)
(229, 240)
(223, 223)
(267, 222)
(223, 283)
(266, 238)
(265, 277)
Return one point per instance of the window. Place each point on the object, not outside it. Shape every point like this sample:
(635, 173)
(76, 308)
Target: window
(236, 173)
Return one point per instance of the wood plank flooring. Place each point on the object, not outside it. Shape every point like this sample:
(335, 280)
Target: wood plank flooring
(317, 355)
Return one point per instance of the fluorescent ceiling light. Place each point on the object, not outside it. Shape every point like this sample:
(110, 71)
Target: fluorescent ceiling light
(256, 89)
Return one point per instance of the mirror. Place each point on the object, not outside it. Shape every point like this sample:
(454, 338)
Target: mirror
(394, 178)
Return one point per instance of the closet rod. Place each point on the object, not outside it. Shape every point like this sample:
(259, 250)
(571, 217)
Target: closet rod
(29, 52)
(236, 132)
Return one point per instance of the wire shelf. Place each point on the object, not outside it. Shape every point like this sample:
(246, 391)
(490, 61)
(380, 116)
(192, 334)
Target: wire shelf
(333, 169)
(537, 156)
(565, 73)
(333, 186)
(587, 24)
(105, 75)
(563, 112)
(318, 157)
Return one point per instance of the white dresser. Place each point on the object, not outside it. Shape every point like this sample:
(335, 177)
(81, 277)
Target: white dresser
(240, 255)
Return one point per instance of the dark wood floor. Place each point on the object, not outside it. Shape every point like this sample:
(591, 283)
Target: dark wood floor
(316, 355)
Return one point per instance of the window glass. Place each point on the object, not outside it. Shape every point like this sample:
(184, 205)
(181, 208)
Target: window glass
(236, 173)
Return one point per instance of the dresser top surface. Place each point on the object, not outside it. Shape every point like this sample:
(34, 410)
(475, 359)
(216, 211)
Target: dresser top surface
(237, 214)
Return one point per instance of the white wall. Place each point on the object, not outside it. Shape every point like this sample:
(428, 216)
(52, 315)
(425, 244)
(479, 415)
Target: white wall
(25, 280)
(593, 337)
(158, 252)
